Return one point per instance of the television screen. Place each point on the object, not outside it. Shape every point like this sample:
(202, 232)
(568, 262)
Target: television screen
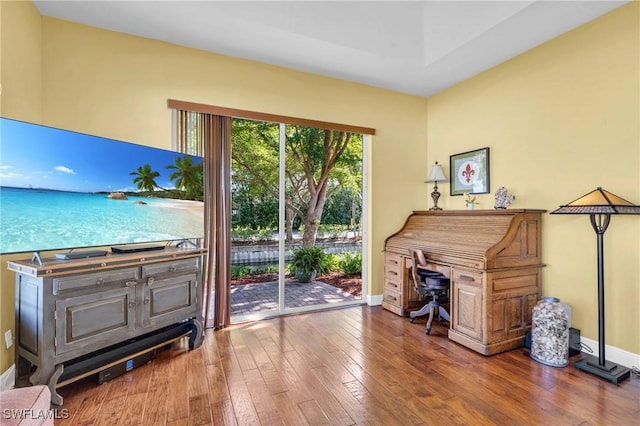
(61, 189)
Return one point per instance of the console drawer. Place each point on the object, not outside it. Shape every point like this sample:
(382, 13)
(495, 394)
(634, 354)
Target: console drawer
(98, 279)
(185, 265)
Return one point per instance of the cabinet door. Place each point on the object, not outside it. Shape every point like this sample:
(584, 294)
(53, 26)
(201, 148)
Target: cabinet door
(513, 295)
(93, 321)
(467, 303)
(169, 300)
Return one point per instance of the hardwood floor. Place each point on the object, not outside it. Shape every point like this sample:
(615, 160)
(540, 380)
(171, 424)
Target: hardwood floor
(360, 365)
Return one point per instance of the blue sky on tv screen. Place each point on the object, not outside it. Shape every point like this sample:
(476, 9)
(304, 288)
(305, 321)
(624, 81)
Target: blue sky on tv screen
(33, 156)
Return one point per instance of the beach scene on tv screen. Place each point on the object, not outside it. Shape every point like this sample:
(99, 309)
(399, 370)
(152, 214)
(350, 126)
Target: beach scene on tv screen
(61, 189)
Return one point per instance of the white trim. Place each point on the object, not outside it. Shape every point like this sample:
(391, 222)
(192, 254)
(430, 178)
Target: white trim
(374, 300)
(364, 216)
(281, 216)
(617, 355)
(8, 378)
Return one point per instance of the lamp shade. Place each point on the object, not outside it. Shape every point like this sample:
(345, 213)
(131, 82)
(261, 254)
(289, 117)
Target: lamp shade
(599, 201)
(436, 174)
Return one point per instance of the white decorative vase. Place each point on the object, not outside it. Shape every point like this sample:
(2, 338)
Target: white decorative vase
(550, 332)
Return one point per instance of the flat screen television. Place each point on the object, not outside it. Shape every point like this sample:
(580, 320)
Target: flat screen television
(62, 190)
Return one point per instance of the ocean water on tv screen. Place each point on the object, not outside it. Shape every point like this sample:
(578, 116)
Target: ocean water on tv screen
(39, 219)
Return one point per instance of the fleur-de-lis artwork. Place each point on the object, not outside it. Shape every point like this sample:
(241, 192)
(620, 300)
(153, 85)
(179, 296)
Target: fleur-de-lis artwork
(468, 173)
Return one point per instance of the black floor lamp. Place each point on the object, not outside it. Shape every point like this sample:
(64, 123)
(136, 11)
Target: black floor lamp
(600, 205)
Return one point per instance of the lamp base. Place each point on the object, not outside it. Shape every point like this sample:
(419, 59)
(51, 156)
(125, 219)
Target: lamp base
(610, 371)
(435, 208)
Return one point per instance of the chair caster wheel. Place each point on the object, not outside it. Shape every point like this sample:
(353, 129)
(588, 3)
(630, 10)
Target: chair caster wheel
(427, 331)
(411, 320)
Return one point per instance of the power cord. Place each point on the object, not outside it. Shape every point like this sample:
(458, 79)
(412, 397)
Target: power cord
(586, 348)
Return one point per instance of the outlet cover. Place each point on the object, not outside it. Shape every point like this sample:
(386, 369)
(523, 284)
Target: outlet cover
(8, 339)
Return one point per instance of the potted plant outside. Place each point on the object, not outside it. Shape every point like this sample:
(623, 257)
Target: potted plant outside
(306, 262)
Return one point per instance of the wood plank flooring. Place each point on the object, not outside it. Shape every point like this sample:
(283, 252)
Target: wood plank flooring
(359, 365)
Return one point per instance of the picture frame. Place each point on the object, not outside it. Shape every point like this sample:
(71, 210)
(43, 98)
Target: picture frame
(469, 172)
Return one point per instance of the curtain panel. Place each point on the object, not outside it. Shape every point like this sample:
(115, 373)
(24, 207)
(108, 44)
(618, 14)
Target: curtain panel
(209, 136)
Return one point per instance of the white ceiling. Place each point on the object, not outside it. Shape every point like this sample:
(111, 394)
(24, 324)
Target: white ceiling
(417, 47)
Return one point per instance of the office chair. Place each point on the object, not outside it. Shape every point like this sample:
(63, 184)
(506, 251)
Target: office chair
(428, 284)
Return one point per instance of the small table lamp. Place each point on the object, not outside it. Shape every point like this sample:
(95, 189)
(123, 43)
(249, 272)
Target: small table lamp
(600, 205)
(436, 175)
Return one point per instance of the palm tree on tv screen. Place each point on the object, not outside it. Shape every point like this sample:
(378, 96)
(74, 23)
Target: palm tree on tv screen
(187, 176)
(145, 178)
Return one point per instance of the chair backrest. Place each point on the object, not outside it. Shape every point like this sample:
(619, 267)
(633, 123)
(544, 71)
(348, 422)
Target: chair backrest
(427, 280)
(417, 258)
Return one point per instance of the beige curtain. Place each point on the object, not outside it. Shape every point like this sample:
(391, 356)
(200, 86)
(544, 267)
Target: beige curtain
(209, 136)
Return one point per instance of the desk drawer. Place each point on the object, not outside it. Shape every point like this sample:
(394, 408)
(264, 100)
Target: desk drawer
(443, 269)
(393, 259)
(392, 284)
(472, 278)
(393, 273)
(392, 297)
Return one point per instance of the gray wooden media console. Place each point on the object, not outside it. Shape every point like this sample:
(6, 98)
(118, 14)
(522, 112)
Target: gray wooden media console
(77, 317)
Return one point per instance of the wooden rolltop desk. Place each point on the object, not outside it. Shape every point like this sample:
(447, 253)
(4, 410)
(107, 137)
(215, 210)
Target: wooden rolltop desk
(493, 258)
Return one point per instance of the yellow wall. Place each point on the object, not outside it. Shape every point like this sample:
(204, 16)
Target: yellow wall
(20, 98)
(20, 63)
(561, 120)
(540, 114)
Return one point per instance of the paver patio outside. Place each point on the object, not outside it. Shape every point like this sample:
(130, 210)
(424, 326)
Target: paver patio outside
(258, 297)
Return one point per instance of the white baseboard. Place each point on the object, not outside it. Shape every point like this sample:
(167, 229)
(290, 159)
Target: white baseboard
(8, 378)
(619, 356)
(374, 300)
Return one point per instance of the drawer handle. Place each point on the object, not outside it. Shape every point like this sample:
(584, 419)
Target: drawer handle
(130, 283)
(173, 268)
(392, 298)
(393, 284)
(467, 278)
(150, 281)
(393, 273)
(99, 281)
(146, 300)
(132, 305)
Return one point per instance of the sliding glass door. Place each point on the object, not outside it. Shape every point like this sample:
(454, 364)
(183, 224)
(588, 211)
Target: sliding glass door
(297, 203)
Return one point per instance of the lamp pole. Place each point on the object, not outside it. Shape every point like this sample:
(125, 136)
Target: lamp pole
(600, 223)
(601, 367)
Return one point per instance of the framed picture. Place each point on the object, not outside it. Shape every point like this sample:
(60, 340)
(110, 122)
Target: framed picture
(469, 172)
